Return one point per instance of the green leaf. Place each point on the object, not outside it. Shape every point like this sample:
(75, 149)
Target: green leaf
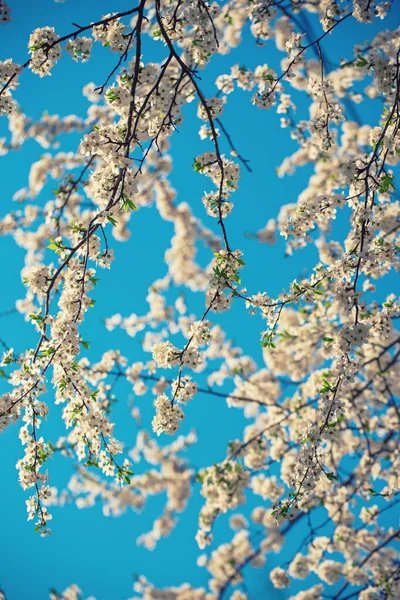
(48, 352)
(127, 204)
(362, 62)
(37, 318)
(385, 183)
(112, 220)
(197, 167)
(62, 385)
(54, 245)
(111, 95)
(287, 336)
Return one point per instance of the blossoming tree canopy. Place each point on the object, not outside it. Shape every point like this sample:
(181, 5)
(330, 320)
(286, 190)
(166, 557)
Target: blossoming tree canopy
(310, 470)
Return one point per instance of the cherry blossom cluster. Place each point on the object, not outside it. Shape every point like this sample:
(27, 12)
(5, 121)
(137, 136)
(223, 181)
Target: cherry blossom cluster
(44, 49)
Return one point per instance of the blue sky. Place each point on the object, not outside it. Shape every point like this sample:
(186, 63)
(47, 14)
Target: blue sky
(99, 553)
